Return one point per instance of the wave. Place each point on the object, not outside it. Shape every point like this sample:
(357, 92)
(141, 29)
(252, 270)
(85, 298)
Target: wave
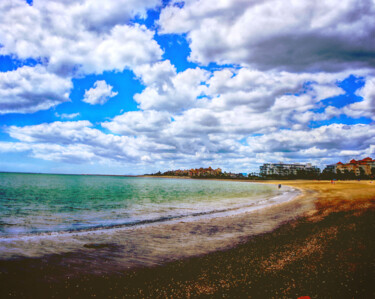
(261, 203)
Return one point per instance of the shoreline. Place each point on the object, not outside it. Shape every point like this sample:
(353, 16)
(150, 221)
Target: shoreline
(219, 230)
(292, 192)
(325, 253)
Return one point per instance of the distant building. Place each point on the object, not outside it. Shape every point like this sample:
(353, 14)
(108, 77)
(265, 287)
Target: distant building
(358, 167)
(197, 172)
(281, 169)
(204, 172)
(330, 168)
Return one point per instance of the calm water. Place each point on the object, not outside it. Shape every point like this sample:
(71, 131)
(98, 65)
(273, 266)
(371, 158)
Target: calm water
(34, 203)
(124, 222)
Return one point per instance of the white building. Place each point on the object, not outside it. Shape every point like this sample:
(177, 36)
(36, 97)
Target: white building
(281, 169)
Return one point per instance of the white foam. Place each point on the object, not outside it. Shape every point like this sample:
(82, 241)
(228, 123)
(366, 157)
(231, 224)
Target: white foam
(260, 203)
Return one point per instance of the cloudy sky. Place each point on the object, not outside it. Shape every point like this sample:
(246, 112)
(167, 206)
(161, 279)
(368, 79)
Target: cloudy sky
(137, 86)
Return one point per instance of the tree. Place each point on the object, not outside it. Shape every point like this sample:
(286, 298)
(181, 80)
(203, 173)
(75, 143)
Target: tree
(362, 173)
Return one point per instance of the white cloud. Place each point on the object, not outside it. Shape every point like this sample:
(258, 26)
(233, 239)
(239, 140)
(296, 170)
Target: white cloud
(13, 147)
(99, 94)
(157, 75)
(29, 89)
(232, 124)
(366, 107)
(80, 36)
(60, 132)
(139, 123)
(79, 142)
(287, 57)
(334, 138)
(261, 90)
(228, 88)
(101, 16)
(289, 35)
(235, 104)
(67, 115)
(168, 91)
(69, 38)
(213, 128)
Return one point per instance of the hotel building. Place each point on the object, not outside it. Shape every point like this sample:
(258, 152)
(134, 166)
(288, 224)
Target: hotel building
(357, 166)
(281, 169)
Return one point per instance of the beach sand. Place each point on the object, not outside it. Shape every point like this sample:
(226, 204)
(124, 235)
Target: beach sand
(328, 252)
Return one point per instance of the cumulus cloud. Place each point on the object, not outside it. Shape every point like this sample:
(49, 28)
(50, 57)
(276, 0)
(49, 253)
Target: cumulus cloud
(29, 89)
(78, 142)
(58, 132)
(67, 39)
(229, 103)
(366, 107)
(99, 94)
(158, 75)
(99, 16)
(78, 36)
(13, 147)
(260, 91)
(225, 108)
(332, 138)
(276, 34)
(139, 123)
(236, 123)
(168, 91)
(228, 88)
(237, 103)
(284, 58)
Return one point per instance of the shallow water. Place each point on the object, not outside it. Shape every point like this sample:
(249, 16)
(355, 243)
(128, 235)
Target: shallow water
(32, 203)
(123, 222)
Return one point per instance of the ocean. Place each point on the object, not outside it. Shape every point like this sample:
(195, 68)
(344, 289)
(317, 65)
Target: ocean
(136, 220)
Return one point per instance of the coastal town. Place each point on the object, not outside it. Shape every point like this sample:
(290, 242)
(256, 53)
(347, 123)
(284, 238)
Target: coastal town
(354, 169)
(365, 166)
(200, 173)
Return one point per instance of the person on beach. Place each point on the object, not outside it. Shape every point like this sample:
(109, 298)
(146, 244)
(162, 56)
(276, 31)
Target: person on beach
(279, 186)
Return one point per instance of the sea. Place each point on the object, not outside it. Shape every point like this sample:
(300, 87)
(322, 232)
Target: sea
(133, 220)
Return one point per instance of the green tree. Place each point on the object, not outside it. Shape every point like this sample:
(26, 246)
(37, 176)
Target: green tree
(362, 173)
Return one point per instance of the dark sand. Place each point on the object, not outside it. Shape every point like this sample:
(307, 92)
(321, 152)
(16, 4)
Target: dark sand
(327, 253)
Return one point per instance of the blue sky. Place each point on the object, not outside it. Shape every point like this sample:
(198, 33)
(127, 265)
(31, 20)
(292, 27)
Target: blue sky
(132, 87)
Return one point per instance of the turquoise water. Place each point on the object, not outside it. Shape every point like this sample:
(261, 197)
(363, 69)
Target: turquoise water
(38, 203)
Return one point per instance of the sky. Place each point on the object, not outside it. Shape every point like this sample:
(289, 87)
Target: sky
(138, 86)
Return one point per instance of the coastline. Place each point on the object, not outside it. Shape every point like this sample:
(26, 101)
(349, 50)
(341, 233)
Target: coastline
(326, 252)
(156, 242)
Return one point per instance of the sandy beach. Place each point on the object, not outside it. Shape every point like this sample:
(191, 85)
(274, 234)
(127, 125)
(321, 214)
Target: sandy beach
(323, 248)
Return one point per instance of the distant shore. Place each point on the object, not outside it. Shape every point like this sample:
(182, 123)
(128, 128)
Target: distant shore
(326, 253)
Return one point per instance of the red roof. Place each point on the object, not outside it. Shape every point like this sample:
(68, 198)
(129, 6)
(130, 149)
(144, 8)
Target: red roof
(353, 161)
(339, 163)
(366, 159)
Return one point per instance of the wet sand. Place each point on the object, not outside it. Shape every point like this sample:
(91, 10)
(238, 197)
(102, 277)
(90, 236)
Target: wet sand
(328, 252)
